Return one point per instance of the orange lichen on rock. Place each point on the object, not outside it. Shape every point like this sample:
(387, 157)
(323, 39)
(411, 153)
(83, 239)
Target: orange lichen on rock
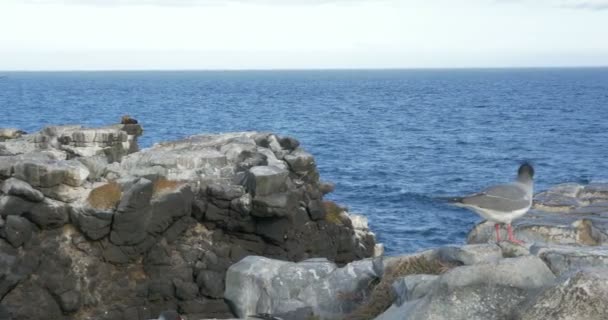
(106, 196)
(333, 212)
(163, 185)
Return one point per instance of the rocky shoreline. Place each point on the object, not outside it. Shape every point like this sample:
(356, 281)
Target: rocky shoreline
(92, 227)
(561, 273)
(235, 225)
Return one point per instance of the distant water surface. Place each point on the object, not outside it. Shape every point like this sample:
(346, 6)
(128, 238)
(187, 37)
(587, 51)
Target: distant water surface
(392, 141)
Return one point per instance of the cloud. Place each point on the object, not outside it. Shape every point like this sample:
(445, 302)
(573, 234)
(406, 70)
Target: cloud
(593, 5)
(179, 3)
(587, 5)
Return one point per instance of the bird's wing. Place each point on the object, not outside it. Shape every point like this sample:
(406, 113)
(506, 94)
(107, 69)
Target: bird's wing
(503, 198)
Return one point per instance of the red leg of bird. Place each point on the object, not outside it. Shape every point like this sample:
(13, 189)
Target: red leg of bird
(497, 227)
(511, 237)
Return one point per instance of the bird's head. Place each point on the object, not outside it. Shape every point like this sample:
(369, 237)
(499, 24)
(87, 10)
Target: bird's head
(525, 172)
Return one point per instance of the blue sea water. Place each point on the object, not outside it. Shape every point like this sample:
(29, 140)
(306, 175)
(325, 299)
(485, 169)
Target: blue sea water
(394, 142)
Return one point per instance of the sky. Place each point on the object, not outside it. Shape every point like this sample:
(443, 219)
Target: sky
(300, 34)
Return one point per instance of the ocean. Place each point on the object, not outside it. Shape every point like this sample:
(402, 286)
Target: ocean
(393, 141)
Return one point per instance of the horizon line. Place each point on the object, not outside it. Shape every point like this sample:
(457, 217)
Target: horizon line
(302, 69)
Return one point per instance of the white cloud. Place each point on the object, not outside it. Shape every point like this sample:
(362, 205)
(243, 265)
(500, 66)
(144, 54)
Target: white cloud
(567, 4)
(178, 3)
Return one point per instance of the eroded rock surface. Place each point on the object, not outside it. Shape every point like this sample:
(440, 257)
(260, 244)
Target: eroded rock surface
(92, 227)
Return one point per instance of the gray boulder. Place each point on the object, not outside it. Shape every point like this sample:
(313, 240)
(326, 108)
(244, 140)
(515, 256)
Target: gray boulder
(266, 180)
(563, 259)
(259, 285)
(471, 254)
(412, 287)
(16, 187)
(17, 230)
(132, 214)
(581, 295)
(47, 174)
(481, 291)
(49, 214)
(300, 162)
(247, 282)
(95, 224)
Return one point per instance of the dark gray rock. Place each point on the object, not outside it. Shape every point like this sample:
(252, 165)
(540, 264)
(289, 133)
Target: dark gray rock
(168, 208)
(12, 205)
(208, 307)
(211, 283)
(16, 187)
(221, 198)
(70, 301)
(300, 162)
(266, 180)
(275, 205)
(225, 192)
(133, 212)
(49, 214)
(32, 295)
(95, 224)
(316, 210)
(289, 143)
(185, 290)
(17, 230)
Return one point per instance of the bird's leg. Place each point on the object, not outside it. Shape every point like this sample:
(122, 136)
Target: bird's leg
(497, 227)
(511, 237)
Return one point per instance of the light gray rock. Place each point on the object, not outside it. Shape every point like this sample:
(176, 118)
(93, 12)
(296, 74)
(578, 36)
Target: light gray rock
(581, 295)
(16, 187)
(481, 291)
(300, 161)
(266, 180)
(471, 254)
(10, 133)
(247, 282)
(412, 287)
(549, 227)
(559, 198)
(563, 259)
(65, 193)
(47, 174)
(282, 287)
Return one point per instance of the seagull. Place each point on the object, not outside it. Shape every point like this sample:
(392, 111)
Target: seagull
(503, 203)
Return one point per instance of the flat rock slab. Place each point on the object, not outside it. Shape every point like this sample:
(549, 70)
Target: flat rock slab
(480, 291)
(562, 259)
(581, 295)
(549, 227)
